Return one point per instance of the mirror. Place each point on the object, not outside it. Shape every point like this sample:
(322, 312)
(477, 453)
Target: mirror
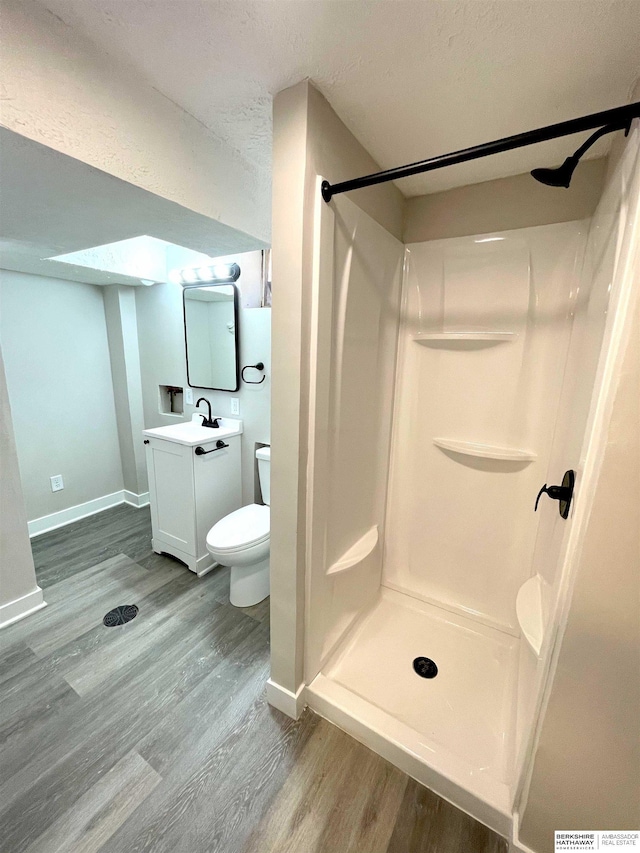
(211, 336)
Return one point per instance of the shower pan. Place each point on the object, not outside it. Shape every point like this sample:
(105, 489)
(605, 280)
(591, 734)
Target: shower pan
(450, 380)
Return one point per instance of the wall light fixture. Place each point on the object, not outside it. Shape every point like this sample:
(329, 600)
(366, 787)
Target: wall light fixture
(213, 274)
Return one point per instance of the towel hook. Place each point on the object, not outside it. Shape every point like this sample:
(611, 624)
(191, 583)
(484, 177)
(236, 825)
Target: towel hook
(258, 366)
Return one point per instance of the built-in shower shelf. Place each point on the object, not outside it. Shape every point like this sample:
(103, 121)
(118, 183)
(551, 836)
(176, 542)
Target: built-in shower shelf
(484, 451)
(462, 338)
(529, 612)
(356, 553)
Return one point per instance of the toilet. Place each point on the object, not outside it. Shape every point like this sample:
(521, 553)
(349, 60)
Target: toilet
(241, 540)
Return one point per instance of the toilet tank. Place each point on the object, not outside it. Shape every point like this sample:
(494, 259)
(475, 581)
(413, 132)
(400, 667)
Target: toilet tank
(263, 455)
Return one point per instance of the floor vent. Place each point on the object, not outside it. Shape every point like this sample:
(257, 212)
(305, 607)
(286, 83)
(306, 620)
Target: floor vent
(425, 667)
(120, 615)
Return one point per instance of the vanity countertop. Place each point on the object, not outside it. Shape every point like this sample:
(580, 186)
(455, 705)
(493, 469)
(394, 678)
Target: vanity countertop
(192, 433)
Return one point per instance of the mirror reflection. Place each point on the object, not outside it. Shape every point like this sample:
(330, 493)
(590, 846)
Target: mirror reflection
(210, 322)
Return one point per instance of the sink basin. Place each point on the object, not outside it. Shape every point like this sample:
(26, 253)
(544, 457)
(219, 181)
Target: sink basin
(192, 433)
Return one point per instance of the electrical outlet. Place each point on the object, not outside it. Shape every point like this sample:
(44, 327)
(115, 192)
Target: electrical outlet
(56, 483)
(188, 396)
(235, 405)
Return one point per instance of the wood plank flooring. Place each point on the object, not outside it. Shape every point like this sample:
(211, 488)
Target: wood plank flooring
(155, 736)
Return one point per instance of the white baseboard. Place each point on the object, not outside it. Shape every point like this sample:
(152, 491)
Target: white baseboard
(74, 513)
(291, 704)
(136, 500)
(17, 609)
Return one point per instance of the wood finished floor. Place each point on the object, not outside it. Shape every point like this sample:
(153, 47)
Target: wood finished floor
(156, 736)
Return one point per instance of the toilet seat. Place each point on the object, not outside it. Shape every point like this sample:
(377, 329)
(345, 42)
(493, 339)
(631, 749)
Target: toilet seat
(240, 530)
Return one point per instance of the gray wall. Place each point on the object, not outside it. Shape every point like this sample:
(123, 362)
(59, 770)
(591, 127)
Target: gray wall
(17, 574)
(54, 340)
(83, 367)
(514, 202)
(122, 331)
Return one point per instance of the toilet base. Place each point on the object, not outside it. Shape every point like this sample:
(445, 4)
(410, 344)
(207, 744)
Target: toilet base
(249, 585)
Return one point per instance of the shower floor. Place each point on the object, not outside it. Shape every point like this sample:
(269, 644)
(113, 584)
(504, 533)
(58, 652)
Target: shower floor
(459, 724)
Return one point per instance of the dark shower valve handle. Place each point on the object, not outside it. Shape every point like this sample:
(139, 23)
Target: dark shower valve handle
(563, 493)
(552, 491)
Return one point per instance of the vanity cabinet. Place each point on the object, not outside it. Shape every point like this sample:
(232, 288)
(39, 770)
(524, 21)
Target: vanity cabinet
(189, 492)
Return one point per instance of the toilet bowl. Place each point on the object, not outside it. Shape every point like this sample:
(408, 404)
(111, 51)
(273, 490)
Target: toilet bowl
(240, 540)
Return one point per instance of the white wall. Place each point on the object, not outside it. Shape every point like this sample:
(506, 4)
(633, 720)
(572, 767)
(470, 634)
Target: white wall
(54, 339)
(163, 362)
(250, 281)
(61, 90)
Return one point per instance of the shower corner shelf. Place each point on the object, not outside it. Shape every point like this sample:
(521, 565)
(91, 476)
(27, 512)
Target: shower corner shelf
(462, 337)
(356, 553)
(529, 612)
(485, 451)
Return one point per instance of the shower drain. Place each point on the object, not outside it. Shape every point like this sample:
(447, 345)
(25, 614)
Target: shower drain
(425, 667)
(120, 615)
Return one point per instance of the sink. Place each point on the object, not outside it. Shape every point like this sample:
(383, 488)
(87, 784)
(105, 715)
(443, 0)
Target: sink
(192, 433)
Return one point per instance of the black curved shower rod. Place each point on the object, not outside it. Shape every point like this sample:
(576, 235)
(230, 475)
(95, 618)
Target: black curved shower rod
(618, 116)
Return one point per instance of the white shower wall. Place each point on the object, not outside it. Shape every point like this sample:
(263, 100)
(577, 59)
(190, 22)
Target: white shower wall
(505, 342)
(485, 329)
(357, 279)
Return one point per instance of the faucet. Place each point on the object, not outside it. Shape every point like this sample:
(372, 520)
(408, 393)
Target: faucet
(207, 421)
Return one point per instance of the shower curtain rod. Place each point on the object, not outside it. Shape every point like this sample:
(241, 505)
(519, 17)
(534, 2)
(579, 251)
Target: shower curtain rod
(542, 134)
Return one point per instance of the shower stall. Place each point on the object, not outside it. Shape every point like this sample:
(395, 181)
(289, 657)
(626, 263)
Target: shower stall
(449, 381)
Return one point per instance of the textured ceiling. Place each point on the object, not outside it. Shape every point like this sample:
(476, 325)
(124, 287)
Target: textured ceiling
(54, 204)
(410, 79)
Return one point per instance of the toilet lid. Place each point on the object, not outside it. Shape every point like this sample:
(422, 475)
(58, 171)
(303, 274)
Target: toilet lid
(241, 529)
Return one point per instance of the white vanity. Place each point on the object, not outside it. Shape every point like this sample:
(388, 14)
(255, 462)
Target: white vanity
(194, 481)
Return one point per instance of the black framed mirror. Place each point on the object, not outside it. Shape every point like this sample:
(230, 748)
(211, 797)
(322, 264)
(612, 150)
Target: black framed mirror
(211, 336)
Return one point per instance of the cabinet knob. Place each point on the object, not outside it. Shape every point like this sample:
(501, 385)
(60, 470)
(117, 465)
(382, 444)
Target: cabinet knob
(146, 441)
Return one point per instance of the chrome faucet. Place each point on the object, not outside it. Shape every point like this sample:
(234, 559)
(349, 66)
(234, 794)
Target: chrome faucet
(207, 421)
